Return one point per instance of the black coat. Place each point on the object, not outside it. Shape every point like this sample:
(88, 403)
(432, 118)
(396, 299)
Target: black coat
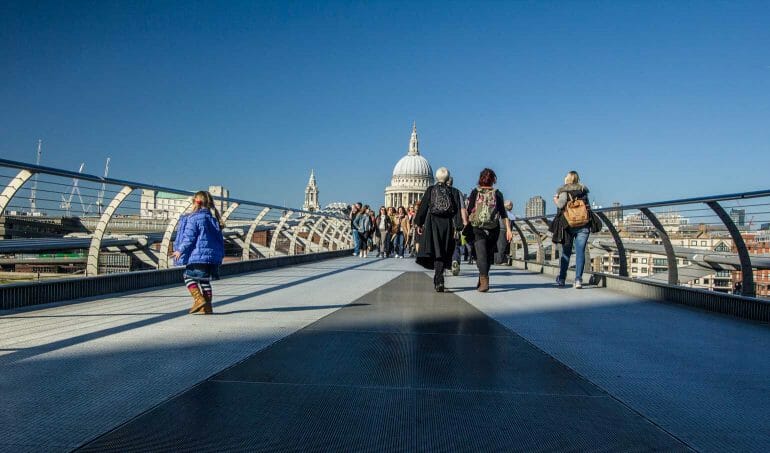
(437, 242)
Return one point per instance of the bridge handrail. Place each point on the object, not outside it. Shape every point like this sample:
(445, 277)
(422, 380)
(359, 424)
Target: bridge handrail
(712, 202)
(297, 231)
(41, 169)
(677, 202)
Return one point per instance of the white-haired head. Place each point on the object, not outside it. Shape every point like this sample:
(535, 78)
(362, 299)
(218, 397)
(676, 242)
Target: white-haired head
(442, 174)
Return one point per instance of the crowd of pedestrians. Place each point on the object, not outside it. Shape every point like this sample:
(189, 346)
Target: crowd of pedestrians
(445, 228)
(389, 232)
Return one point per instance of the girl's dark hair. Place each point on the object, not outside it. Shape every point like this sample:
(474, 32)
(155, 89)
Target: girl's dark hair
(487, 178)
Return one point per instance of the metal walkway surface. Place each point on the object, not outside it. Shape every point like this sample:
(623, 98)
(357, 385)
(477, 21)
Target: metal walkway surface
(360, 354)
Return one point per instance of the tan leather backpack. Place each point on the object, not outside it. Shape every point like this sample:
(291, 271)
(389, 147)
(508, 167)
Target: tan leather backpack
(576, 212)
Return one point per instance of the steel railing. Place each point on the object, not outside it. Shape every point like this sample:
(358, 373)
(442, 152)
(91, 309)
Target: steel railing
(700, 239)
(114, 218)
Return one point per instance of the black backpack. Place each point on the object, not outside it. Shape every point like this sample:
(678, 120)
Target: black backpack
(442, 201)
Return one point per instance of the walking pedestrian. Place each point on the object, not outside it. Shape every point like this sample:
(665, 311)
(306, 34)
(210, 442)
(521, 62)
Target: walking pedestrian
(434, 224)
(572, 226)
(362, 226)
(200, 247)
(401, 231)
(486, 212)
(459, 221)
(354, 211)
(383, 223)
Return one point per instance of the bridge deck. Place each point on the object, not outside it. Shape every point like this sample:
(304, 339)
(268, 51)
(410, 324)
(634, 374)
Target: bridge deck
(371, 358)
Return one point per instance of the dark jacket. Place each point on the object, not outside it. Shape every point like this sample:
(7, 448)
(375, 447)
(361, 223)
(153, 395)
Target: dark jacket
(388, 222)
(437, 242)
(200, 239)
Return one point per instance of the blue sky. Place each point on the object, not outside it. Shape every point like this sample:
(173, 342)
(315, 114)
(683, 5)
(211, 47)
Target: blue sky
(647, 100)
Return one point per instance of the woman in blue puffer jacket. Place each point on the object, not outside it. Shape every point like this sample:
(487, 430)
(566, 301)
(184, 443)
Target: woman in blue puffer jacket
(200, 247)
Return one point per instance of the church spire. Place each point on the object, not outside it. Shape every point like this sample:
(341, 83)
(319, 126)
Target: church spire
(414, 145)
(311, 194)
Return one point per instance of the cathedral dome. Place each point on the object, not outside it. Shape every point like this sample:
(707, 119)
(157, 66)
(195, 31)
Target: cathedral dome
(413, 165)
(412, 175)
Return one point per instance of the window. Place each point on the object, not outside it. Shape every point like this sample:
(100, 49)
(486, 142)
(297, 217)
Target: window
(697, 281)
(703, 243)
(705, 281)
(635, 270)
(659, 262)
(634, 260)
(644, 270)
(695, 243)
(644, 260)
(721, 247)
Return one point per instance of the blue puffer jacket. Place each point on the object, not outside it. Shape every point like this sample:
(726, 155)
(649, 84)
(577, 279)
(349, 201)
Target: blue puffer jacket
(200, 239)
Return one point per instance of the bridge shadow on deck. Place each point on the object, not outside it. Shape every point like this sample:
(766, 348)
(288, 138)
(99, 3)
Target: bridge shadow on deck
(402, 368)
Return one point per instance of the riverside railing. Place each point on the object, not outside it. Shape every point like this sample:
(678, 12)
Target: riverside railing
(718, 243)
(122, 225)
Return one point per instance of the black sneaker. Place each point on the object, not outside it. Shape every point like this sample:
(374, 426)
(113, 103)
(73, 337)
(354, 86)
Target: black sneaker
(440, 288)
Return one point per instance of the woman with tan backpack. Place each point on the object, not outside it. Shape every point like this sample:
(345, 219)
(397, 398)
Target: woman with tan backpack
(572, 226)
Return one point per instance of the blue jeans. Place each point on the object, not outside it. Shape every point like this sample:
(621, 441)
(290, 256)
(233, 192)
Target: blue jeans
(356, 242)
(577, 237)
(398, 243)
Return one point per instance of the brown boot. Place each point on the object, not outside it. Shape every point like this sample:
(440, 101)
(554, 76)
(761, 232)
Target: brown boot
(207, 308)
(198, 300)
(483, 283)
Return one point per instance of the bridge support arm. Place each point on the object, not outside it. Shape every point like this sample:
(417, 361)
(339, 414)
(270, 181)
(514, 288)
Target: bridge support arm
(230, 209)
(319, 221)
(540, 249)
(245, 253)
(618, 243)
(747, 272)
(673, 269)
(13, 187)
(297, 229)
(278, 229)
(523, 241)
(92, 265)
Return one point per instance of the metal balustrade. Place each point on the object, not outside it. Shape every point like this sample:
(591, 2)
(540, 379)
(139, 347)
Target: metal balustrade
(113, 216)
(707, 242)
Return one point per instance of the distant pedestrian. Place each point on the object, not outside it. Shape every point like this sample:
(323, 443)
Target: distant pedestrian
(572, 226)
(362, 225)
(383, 223)
(372, 229)
(354, 211)
(400, 231)
(200, 247)
(459, 221)
(503, 245)
(434, 222)
(487, 213)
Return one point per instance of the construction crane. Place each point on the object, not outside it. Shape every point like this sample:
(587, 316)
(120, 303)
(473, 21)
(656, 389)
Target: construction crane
(100, 198)
(33, 192)
(66, 202)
